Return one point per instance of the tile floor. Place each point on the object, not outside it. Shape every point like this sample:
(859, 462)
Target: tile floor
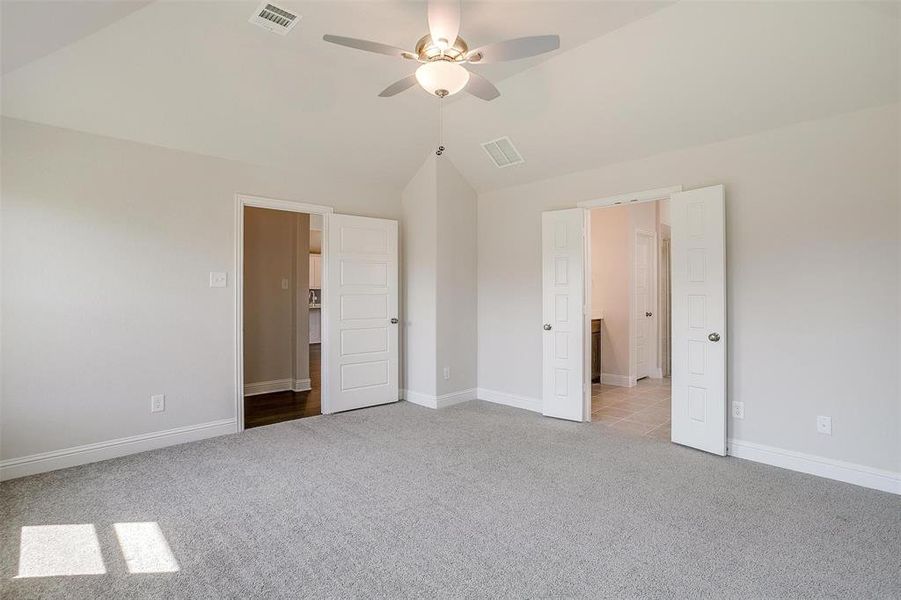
(642, 410)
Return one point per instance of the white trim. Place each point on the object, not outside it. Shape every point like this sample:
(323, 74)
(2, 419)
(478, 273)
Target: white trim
(620, 380)
(303, 385)
(442, 401)
(523, 402)
(643, 196)
(446, 400)
(268, 387)
(242, 200)
(426, 400)
(877, 479)
(287, 205)
(81, 455)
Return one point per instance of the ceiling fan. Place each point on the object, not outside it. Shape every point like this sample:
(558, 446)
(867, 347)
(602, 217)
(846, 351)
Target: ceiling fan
(442, 54)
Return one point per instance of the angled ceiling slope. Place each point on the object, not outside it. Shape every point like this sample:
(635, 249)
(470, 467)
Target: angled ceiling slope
(31, 30)
(196, 76)
(690, 74)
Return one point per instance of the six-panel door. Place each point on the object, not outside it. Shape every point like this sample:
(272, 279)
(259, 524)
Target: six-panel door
(699, 319)
(563, 329)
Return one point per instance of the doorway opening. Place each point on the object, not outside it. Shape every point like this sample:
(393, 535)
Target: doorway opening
(282, 303)
(630, 307)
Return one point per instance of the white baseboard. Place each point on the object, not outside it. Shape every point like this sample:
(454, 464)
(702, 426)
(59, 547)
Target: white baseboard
(877, 479)
(442, 401)
(533, 404)
(81, 455)
(268, 387)
(300, 385)
(456, 397)
(620, 380)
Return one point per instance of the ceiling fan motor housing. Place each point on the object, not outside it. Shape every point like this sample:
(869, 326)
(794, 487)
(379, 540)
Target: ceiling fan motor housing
(427, 50)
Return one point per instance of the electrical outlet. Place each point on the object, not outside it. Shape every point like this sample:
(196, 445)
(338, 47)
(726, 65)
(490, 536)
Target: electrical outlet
(447, 372)
(738, 410)
(158, 403)
(824, 425)
(218, 279)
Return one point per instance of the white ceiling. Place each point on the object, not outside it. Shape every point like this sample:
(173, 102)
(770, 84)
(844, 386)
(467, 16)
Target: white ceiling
(631, 79)
(693, 73)
(32, 29)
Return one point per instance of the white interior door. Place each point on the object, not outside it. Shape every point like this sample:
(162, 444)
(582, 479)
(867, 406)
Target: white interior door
(361, 322)
(699, 319)
(564, 324)
(645, 330)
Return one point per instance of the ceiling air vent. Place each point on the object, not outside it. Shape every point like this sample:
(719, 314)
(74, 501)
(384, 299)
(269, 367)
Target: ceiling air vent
(275, 19)
(503, 153)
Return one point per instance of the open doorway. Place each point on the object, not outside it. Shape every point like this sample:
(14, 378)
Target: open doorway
(696, 297)
(630, 307)
(282, 323)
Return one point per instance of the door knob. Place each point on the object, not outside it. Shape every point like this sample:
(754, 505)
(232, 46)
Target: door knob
(714, 337)
(547, 326)
(394, 321)
(649, 314)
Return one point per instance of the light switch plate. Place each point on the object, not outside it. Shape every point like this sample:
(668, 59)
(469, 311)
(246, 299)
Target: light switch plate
(824, 425)
(284, 283)
(218, 279)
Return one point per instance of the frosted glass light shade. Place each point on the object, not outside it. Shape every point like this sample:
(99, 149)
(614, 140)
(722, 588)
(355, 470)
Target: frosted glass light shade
(442, 77)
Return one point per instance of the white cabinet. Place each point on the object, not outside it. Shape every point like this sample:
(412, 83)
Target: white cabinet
(315, 271)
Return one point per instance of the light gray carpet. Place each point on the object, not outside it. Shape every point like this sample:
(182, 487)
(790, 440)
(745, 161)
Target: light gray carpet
(476, 500)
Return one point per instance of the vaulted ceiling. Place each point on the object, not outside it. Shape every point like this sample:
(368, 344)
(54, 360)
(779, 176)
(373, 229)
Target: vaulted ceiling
(631, 79)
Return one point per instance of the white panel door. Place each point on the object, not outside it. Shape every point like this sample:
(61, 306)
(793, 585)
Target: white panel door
(564, 324)
(361, 328)
(699, 319)
(645, 330)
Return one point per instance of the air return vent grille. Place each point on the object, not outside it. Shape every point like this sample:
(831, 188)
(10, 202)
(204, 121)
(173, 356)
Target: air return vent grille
(503, 153)
(275, 19)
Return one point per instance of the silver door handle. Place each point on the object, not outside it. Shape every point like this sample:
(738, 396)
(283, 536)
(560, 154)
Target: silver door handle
(394, 321)
(547, 326)
(714, 337)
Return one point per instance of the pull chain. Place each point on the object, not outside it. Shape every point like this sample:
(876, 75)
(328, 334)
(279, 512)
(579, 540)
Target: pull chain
(440, 150)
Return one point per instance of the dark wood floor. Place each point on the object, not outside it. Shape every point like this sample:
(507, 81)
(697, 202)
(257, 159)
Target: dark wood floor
(267, 409)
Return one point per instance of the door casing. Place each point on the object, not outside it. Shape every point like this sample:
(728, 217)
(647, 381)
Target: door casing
(242, 201)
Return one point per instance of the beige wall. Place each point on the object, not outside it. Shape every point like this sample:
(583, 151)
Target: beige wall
(812, 244)
(276, 320)
(269, 257)
(610, 280)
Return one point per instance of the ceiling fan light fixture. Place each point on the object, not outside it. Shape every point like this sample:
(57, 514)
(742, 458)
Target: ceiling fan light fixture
(442, 77)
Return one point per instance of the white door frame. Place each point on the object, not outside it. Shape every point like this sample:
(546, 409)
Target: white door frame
(242, 201)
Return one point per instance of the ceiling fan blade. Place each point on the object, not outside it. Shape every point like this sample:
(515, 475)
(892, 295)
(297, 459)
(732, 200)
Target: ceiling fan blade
(480, 87)
(444, 21)
(399, 86)
(523, 47)
(367, 46)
